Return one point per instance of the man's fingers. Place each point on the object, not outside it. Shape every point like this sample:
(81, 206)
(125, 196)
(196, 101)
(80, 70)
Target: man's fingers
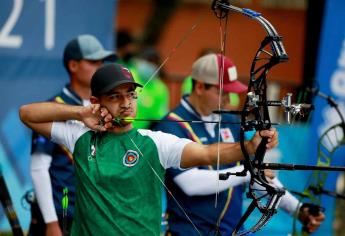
(104, 111)
(108, 118)
(269, 173)
(313, 225)
(272, 138)
(315, 222)
(108, 125)
(95, 108)
(272, 144)
(271, 133)
(275, 135)
(100, 127)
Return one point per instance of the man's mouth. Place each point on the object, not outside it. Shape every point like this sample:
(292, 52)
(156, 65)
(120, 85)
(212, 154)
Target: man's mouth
(126, 112)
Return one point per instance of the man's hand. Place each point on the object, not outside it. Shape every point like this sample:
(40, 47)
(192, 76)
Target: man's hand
(53, 229)
(269, 174)
(271, 134)
(96, 117)
(311, 223)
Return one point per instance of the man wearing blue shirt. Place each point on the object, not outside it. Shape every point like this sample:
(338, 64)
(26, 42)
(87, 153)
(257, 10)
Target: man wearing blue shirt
(195, 188)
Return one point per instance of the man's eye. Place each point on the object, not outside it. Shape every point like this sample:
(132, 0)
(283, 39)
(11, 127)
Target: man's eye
(133, 95)
(114, 96)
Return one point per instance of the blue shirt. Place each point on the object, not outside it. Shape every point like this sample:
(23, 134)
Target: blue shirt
(200, 209)
(61, 170)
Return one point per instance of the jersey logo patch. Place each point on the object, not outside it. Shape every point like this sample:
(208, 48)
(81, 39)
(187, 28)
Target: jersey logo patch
(130, 158)
(92, 157)
(227, 135)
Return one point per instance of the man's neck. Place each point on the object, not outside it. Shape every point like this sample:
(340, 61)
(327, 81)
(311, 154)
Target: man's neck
(195, 102)
(82, 91)
(118, 129)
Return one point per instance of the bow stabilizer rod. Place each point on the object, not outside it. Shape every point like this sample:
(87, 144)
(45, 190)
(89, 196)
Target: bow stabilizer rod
(6, 202)
(281, 166)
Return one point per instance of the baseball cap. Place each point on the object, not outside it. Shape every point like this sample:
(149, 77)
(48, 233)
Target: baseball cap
(207, 69)
(110, 76)
(86, 47)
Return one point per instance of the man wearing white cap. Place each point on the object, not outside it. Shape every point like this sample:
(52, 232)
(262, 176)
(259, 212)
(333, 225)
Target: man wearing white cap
(195, 188)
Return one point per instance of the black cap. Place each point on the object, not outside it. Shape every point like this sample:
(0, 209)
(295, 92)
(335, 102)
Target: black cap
(110, 76)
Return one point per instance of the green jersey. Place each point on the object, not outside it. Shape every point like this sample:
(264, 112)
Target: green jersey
(118, 178)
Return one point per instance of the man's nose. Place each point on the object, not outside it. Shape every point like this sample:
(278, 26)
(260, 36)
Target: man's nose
(125, 101)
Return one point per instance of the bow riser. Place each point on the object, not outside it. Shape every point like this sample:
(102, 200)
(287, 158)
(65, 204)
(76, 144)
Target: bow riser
(255, 115)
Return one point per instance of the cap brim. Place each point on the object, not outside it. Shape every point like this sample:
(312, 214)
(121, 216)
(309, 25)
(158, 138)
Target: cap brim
(235, 87)
(101, 55)
(116, 84)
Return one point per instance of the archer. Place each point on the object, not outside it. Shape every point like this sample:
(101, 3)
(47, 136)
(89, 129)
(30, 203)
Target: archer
(119, 169)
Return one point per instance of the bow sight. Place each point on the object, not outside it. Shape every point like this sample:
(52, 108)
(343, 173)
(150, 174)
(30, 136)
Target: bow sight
(291, 110)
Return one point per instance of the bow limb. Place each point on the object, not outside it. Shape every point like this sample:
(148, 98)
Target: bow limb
(329, 142)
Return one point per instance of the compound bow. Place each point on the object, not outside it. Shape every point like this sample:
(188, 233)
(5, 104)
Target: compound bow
(329, 142)
(255, 116)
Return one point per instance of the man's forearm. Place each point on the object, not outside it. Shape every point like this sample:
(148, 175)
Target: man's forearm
(40, 163)
(199, 182)
(288, 203)
(40, 116)
(228, 152)
(49, 112)
(195, 154)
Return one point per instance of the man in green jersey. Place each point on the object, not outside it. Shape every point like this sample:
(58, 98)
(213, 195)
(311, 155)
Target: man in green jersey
(119, 169)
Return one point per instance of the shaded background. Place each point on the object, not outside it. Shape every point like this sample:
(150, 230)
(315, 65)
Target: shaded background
(33, 34)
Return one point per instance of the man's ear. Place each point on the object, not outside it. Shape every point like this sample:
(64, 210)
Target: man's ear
(94, 100)
(72, 66)
(199, 87)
